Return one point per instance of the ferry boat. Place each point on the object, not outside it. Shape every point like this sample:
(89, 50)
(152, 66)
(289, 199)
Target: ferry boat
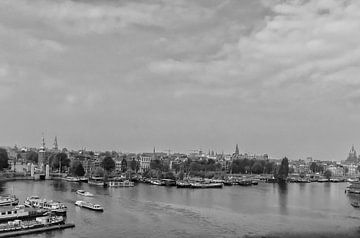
(89, 205)
(98, 181)
(52, 206)
(8, 200)
(19, 225)
(20, 212)
(84, 193)
(117, 183)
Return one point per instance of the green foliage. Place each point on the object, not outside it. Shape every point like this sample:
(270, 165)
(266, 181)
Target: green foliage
(108, 164)
(283, 171)
(77, 169)
(123, 165)
(99, 172)
(316, 168)
(32, 157)
(328, 174)
(59, 160)
(254, 166)
(4, 159)
(133, 164)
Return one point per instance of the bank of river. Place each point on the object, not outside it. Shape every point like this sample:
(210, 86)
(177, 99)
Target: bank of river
(154, 211)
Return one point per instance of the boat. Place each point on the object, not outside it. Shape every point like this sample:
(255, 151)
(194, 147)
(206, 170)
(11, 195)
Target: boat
(245, 182)
(206, 185)
(8, 200)
(55, 207)
(354, 187)
(183, 184)
(84, 193)
(20, 212)
(84, 179)
(71, 179)
(118, 183)
(19, 225)
(157, 182)
(89, 205)
(168, 182)
(323, 180)
(98, 181)
(355, 204)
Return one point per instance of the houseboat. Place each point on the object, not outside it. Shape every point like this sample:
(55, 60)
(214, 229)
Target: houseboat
(98, 181)
(88, 205)
(119, 183)
(84, 193)
(20, 212)
(8, 200)
(52, 206)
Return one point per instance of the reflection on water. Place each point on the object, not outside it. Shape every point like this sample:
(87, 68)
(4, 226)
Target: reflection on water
(153, 211)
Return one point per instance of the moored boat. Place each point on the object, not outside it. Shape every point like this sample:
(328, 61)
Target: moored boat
(8, 200)
(19, 225)
(55, 207)
(84, 193)
(98, 181)
(71, 179)
(89, 205)
(20, 212)
(206, 185)
(118, 183)
(183, 184)
(355, 204)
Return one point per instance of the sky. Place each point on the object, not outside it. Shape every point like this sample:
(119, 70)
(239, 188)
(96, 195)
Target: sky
(275, 77)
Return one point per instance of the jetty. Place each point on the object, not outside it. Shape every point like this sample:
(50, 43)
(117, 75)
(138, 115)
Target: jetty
(36, 230)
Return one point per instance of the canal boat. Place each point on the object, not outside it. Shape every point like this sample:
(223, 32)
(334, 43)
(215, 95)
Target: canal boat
(84, 193)
(117, 183)
(8, 200)
(89, 205)
(83, 179)
(157, 182)
(98, 181)
(245, 182)
(19, 225)
(168, 182)
(55, 207)
(71, 179)
(183, 184)
(206, 185)
(20, 212)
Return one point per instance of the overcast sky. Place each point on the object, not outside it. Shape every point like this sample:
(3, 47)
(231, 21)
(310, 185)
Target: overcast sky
(276, 77)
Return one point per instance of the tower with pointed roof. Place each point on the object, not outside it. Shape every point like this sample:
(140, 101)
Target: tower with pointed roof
(42, 153)
(55, 144)
(237, 150)
(352, 157)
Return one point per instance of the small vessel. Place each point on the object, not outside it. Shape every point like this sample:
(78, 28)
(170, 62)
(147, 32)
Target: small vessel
(84, 193)
(206, 185)
(168, 182)
(355, 204)
(84, 179)
(8, 200)
(71, 179)
(119, 183)
(98, 181)
(183, 184)
(19, 225)
(55, 207)
(89, 205)
(157, 182)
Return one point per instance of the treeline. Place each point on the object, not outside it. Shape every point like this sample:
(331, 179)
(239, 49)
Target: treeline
(246, 166)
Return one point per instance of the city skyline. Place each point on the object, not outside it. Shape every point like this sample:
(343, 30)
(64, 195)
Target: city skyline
(274, 77)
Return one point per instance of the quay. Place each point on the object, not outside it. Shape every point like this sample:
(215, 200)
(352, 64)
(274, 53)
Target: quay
(36, 230)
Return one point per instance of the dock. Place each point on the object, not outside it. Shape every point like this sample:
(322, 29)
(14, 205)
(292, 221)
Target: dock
(36, 230)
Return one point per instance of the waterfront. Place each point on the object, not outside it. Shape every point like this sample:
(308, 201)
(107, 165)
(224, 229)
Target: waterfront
(156, 211)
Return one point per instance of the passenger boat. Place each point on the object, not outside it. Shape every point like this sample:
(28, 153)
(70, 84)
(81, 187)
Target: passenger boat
(84, 193)
(52, 206)
(89, 205)
(8, 200)
(19, 225)
(20, 212)
(118, 183)
(71, 179)
(98, 181)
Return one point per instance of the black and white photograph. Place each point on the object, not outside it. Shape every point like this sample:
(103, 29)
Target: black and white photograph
(179, 118)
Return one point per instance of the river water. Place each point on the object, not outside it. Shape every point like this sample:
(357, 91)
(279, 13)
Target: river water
(265, 210)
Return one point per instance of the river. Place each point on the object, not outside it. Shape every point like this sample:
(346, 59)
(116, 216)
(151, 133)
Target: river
(269, 210)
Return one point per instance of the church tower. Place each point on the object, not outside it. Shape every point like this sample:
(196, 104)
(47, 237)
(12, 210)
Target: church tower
(237, 150)
(42, 152)
(55, 144)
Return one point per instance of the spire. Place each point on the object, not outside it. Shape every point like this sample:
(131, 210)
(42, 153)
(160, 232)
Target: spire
(43, 141)
(154, 153)
(55, 143)
(237, 149)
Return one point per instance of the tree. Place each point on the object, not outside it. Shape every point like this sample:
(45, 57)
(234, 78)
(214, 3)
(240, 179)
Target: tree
(108, 164)
(346, 170)
(59, 161)
(32, 157)
(313, 167)
(99, 172)
(77, 169)
(123, 165)
(283, 171)
(328, 174)
(257, 168)
(4, 159)
(133, 164)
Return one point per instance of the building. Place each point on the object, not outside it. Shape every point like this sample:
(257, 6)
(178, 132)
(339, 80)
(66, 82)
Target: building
(352, 157)
(145, 159)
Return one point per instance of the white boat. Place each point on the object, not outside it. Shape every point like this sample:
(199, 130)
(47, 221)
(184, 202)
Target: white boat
(8, 200)
(20, 212)
(50, 205)
(125, 183)
(98, 181)
(71, 179)
(89, 205)
(19, 225)
(84, 193)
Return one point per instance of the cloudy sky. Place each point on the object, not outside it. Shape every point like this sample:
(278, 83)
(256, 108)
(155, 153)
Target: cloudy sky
(276, 77)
